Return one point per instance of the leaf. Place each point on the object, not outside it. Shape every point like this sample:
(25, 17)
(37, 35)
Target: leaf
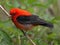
(4, 38)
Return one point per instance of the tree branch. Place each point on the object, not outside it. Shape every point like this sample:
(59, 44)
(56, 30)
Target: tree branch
(33, 43)
(5, 11)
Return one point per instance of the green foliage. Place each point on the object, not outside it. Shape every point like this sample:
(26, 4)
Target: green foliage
(10, 35)
(4, 38)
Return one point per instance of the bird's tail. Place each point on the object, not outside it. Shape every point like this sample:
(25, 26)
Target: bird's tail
(47, 24)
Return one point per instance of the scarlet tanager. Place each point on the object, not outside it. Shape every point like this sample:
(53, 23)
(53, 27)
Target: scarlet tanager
(24, 20)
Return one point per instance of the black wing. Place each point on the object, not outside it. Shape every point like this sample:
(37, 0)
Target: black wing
(33, 20)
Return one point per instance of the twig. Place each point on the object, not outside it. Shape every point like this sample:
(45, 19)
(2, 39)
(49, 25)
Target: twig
(22, 30)
(4, 11)
(51, 11)
(28, 37)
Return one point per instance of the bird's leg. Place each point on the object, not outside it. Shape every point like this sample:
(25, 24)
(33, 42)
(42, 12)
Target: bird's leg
(24, 32)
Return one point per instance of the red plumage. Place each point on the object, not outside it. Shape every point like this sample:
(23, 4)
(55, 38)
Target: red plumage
(20, 12)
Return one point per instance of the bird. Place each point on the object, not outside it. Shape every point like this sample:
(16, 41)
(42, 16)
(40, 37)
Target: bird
(24, 20)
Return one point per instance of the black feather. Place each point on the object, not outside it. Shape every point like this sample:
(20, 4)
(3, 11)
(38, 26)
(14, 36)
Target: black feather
(33, 20)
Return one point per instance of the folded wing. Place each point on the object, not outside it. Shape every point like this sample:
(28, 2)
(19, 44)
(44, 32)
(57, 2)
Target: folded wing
(33, 19)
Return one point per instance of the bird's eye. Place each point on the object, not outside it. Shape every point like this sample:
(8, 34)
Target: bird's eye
(14, 13)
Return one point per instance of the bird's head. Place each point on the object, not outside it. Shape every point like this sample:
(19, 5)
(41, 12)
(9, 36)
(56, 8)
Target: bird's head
(17, 11)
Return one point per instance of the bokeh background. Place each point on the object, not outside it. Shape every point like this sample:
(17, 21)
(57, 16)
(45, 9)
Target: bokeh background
(48, 10)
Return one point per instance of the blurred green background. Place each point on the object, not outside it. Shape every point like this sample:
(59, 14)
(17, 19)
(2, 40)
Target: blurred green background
(48, 10)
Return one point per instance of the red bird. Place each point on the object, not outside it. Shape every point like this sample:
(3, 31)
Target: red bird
(24, 20)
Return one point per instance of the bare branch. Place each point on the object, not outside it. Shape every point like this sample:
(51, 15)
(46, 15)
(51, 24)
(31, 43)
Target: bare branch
(4, 11)
(33, 43)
